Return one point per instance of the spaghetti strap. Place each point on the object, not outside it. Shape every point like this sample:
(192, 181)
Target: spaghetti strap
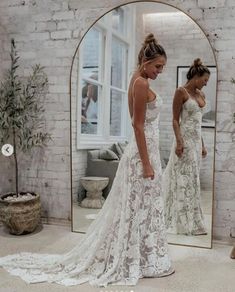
(134, 84)
(184, 89)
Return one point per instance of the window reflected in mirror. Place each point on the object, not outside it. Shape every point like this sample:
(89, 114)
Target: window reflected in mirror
(116, 105)
(104, 61)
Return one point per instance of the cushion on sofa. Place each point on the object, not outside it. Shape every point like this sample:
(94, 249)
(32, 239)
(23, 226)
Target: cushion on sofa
(122, 145)
(108, 154)
(119, 148)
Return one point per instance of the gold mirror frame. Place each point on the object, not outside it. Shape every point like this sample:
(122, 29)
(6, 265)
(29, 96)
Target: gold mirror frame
(70, 92)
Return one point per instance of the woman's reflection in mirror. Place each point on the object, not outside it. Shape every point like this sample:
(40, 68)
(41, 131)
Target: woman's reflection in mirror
(181, 181)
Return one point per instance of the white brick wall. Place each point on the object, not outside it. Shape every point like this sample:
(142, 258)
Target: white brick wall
(50, 31)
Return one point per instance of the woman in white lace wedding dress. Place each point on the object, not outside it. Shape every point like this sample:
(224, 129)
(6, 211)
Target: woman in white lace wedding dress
(181, 182)
(127, 241)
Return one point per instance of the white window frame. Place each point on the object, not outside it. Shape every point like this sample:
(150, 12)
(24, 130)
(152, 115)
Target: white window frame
(103, 138)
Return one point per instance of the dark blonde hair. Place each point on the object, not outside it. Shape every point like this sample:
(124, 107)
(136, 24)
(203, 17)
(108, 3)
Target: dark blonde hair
(197, 69)
(150, 49)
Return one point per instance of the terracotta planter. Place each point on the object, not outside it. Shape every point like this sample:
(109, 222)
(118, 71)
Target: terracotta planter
(20, 217)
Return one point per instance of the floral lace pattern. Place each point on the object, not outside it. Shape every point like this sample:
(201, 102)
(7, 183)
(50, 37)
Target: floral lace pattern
(181, 183)
(127, 241)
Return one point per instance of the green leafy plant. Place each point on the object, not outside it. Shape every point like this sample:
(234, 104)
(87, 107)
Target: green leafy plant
(21, 109)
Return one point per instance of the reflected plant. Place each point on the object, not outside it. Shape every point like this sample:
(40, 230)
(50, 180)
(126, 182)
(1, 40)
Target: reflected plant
(21, 110)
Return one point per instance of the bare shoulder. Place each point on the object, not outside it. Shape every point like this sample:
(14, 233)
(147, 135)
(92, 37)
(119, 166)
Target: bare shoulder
(140, 82)
(180, 94)
(178, 102)
(180, 90)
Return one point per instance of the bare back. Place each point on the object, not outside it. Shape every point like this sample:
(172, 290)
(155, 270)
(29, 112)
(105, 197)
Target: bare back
(141, 88)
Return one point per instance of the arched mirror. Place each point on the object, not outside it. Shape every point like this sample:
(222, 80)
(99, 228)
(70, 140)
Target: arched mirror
(100, 124)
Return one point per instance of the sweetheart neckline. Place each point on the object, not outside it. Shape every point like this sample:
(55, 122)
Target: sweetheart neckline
(195, 101)
(190, 97)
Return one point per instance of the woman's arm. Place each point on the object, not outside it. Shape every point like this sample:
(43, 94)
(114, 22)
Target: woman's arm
(204, 151)
(140, 95)
(177, 107)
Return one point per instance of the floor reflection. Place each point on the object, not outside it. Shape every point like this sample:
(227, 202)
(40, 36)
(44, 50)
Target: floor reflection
(82, 218)
(199, 240)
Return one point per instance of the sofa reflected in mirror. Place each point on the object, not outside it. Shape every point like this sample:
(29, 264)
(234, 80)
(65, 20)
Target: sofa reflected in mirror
(99, 166)
(104, 163)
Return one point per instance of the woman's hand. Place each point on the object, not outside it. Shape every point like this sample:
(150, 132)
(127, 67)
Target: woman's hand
(83, 119)
(204, 152)
(148, 172)
(179, 150)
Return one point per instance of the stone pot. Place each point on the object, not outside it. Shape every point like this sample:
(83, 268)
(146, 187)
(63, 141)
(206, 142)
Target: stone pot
(20, 216)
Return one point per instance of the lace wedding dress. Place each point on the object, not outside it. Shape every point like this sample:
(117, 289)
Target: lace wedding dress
(181, 182)
(127, 241)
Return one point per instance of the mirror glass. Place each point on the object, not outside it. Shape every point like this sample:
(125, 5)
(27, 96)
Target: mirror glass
(100, 125)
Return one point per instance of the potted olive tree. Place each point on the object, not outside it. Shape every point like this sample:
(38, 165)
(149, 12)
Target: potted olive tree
(22, 126)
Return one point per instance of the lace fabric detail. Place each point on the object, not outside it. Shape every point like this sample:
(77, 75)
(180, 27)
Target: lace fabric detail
(127, 241)
(181, 182)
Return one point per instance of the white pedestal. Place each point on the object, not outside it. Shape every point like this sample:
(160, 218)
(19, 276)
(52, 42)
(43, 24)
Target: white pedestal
(94, 187)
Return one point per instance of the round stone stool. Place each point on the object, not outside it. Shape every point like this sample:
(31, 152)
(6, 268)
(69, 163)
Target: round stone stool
(94, 187)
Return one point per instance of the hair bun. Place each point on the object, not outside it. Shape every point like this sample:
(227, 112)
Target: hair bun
(150, 39)
(197, 62)
(150, 50)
